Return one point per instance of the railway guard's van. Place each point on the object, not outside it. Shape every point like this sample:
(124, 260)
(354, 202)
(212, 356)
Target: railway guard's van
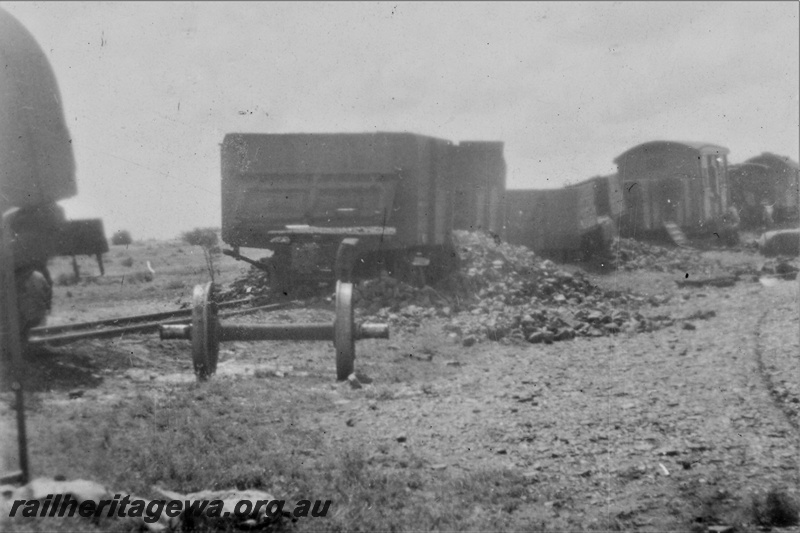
(668, 182)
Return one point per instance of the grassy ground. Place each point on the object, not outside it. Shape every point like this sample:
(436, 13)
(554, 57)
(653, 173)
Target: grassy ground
(125, 289)
(673, 430)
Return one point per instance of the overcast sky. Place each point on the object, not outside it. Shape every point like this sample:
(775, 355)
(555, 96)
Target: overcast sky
(150, 89)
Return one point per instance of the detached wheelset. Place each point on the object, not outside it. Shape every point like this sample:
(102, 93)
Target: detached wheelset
(206, 331)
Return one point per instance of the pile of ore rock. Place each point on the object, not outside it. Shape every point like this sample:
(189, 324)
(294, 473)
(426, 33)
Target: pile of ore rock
(782, 267)
(255, 284)
(630, 254)
(500, 292)
(505, 292)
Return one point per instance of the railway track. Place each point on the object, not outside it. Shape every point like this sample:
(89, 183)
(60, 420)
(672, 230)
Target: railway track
(135, 324)
(767, 377)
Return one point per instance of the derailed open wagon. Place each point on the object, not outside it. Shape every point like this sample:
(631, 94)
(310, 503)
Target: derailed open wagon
(300, 195)
(574, 222)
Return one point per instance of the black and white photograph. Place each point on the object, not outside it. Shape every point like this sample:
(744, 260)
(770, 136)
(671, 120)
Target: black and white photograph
(400, 266)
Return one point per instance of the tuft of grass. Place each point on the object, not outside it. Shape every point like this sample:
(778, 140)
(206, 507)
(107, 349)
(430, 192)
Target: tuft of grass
(66, 279)
(609, 523)
(776, 509)
(174, 285)
(139, 277)
(380, 393)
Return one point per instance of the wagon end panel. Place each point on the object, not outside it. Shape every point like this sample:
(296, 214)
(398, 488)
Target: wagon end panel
(585, 207)
(564, 220)
(616, 199)
(520, 212)
(547, 221)
(479, 186)
(414, 209)
(412, 157)
(441, 225)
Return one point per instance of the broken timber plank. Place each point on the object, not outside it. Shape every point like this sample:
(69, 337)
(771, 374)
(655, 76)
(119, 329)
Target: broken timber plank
(725, 281)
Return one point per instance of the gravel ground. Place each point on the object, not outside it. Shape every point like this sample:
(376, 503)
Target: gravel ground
(641, 428)
(677, 429)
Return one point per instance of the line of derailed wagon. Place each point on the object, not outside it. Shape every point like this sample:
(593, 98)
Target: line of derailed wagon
(402, 195)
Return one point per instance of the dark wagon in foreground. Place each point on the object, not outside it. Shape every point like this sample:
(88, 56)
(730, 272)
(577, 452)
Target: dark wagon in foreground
(400, 194)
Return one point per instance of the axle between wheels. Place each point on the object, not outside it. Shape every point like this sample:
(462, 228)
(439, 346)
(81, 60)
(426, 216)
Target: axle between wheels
(206, 331)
